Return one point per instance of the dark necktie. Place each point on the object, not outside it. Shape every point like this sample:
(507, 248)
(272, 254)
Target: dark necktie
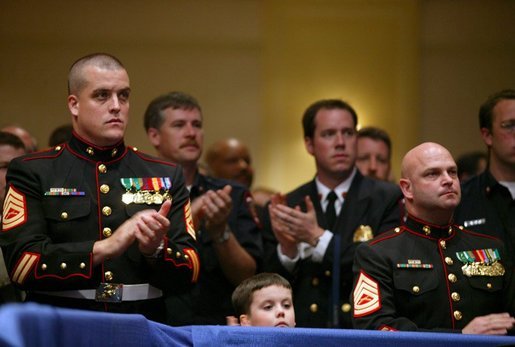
(330, 211)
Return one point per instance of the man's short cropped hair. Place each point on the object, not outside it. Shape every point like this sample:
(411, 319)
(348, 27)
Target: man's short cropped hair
(76, 80)
(308, 120)
(486, 109)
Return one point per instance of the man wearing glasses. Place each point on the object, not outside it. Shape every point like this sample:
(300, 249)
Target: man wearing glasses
(488, 204)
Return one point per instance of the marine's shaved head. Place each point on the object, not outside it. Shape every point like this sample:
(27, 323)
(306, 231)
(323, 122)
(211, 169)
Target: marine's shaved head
(76, 79)
(419, 154)
(429, 183)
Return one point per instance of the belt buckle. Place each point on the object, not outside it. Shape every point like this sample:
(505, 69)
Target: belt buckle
(109, 292)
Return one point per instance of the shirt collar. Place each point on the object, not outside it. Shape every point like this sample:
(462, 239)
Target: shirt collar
(340, 190)
(95, 153)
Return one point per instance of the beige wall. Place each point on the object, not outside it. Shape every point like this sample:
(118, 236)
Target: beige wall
(365, 52)
(468, 53)
(416, 68)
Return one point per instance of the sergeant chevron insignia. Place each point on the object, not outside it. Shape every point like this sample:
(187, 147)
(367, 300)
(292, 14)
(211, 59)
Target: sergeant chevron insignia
(366, 296)
(15, 209)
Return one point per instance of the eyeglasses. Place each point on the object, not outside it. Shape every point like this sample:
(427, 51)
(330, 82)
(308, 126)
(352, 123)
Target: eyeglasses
(508, 126)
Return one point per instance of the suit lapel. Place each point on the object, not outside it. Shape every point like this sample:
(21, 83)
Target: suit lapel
(355, 205)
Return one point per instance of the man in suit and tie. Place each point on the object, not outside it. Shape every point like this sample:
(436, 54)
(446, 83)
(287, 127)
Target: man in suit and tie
(312, 232)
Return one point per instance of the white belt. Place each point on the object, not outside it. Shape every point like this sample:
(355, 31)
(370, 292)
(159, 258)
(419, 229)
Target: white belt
(130, 292)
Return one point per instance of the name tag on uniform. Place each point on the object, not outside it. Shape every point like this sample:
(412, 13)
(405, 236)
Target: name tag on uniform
(474, 222)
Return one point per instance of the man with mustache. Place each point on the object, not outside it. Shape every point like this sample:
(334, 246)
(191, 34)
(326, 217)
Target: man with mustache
(428, 273)
(229, 240)
(314, 230)
(94, 224)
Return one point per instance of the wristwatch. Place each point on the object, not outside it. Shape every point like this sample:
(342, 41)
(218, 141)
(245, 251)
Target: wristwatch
(225, 235)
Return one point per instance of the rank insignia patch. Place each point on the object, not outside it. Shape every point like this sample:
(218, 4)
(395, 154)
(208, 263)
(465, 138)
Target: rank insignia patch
(24, 267)
(190, 227)
(195, 264)
(15, 211)
(366, 296)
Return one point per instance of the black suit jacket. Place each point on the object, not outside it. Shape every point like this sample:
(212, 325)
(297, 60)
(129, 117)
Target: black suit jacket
(369, 203)
(487, 207)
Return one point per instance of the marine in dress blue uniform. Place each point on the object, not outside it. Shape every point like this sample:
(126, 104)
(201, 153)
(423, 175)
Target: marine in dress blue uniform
(421, 276)
(429, 273)
(62, 200)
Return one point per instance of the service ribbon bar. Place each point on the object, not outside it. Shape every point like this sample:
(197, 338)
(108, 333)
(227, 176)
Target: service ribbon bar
(64, 192)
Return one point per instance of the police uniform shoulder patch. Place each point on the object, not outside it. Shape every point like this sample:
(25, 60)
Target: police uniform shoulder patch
(15, 209)
(366, 296)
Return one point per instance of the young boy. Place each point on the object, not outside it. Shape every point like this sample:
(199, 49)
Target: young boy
(264, 300)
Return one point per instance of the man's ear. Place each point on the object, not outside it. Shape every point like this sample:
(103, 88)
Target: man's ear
(245, 320)
(73, 105)
(308, 142)
(154, 137)
(486, 134)
(406, 188)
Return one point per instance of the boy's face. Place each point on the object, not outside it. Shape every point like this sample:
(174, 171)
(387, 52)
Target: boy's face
(271, 307)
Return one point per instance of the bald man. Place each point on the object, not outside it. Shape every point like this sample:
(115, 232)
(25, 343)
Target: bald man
(28, 140)
(230, 159)
(430, 274)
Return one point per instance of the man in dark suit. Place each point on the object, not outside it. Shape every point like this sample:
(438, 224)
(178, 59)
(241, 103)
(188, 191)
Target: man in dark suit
(324, 219)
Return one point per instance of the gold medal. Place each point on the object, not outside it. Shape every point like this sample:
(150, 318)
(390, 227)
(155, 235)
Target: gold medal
(481, 269)
(157, 199)
(167, 196)
(139, 198)
(147, 197)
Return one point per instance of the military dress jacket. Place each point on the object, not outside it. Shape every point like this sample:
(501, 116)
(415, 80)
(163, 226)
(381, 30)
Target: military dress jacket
(424, 277)
(62, 200)
(209, 302)
(370, 207)
(487, 207)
